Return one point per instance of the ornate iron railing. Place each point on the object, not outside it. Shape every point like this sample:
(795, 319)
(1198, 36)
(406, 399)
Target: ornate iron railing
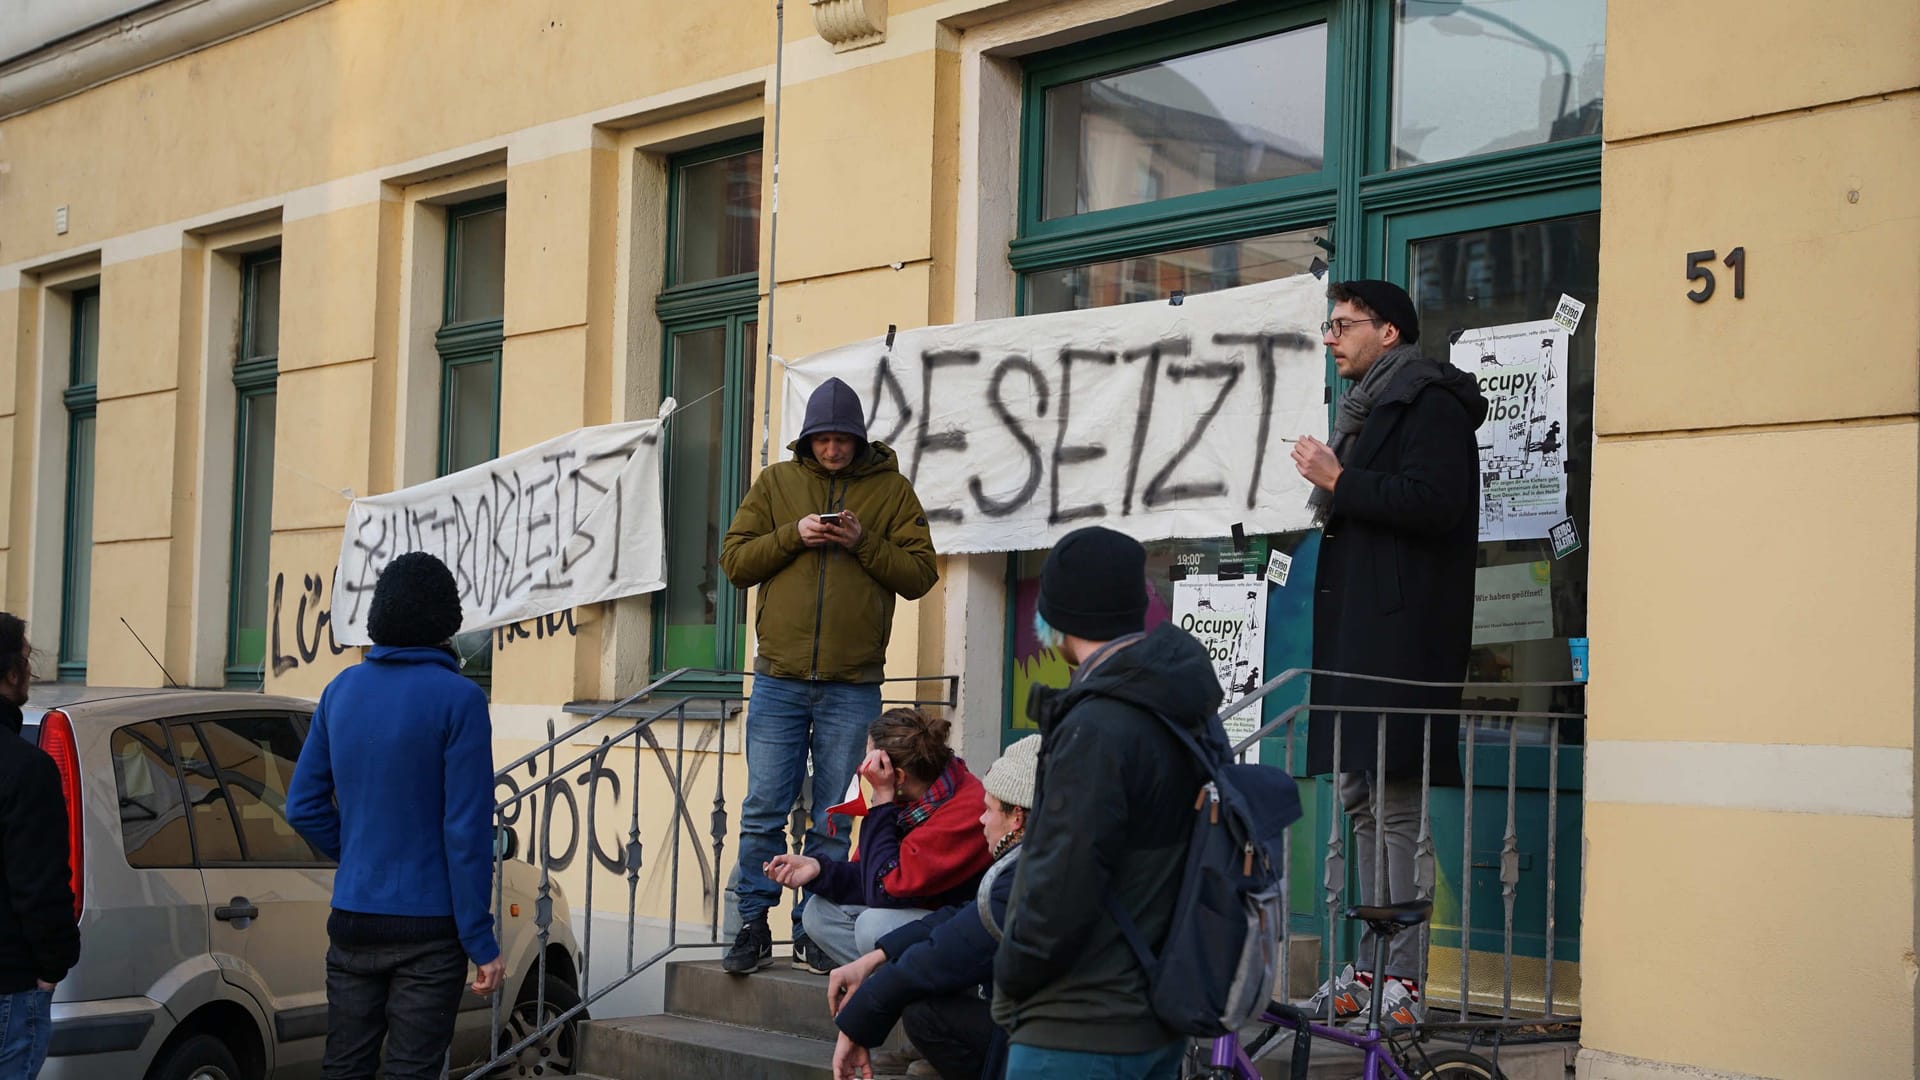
(552, 773)
(1452, 947)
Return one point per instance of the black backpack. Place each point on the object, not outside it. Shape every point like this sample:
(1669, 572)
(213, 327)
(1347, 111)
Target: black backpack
(1220, 961)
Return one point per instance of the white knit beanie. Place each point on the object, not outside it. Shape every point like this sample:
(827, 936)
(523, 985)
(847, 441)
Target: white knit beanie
(1010, 779)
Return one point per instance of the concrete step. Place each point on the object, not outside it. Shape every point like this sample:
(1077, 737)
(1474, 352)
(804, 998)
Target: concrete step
(780, 998)
(679, 1046)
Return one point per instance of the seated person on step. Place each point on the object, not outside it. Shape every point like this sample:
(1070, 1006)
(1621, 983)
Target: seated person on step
(935, 976)
(920, 848)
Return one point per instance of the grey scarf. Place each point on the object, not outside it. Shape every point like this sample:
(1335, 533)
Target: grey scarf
(1355, 406)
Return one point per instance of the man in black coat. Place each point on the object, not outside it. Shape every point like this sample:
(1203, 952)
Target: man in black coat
(1396, 494)
(1114, 811)
(39, 941)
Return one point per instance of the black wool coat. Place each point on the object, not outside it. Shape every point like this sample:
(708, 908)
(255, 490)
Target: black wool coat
(1393, 594)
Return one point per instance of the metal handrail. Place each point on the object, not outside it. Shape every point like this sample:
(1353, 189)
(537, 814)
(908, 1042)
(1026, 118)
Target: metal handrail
(537, 798)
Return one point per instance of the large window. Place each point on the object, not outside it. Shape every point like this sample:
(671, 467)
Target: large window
(708, 313)
(81, 398)
(469, 342)
(256, 372)
(1238, 146)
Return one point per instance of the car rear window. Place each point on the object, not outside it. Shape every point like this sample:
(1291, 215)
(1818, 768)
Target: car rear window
(31, 733)
(153, 817)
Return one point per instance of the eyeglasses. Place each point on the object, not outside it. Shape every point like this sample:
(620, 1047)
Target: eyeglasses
(1337, 327)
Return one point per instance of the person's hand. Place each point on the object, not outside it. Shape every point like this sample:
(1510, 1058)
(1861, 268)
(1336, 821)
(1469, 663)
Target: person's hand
(847, 978)
(1316, 462)
(489, 976)
(850, 1060)
(878, 769)
(792, 871)
(45, 985)
(814, 532)
(848, 533)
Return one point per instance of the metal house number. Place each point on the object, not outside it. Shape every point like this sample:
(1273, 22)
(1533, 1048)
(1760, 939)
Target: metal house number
(1736, 261)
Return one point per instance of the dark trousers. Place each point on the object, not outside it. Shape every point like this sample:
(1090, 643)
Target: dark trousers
(403, 997)
(955, 1032)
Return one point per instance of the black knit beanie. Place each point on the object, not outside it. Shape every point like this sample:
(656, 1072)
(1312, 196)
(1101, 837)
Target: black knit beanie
(414, 603)
(1094, 584)
(1385, 299)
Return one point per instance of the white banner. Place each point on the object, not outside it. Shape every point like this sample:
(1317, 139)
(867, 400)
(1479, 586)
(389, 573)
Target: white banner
(1522, 370)
(1155, 419)
(574, 520)
(1230, 618)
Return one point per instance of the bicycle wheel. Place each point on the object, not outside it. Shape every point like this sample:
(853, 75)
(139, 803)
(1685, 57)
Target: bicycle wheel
(1453, 1065)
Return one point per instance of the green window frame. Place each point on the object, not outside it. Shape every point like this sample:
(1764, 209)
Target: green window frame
(81, 399)
(468, 349)
(256, 375)
(728, 304)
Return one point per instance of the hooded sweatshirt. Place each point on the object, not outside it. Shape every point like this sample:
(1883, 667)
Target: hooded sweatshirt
(396, 782)
(38, 938)
(826, 613)
(1114, 810)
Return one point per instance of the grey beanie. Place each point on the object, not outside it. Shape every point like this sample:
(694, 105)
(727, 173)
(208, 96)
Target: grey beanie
(1010, 779)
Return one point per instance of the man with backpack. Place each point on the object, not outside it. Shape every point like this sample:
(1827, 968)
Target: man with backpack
(1113, 814)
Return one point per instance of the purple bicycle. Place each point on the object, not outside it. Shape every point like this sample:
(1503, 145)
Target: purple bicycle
(1387, 1057)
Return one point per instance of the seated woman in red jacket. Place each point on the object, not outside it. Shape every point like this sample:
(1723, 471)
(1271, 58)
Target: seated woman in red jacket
(921, 848)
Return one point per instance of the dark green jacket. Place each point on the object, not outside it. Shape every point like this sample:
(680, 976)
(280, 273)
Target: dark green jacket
(826, 613)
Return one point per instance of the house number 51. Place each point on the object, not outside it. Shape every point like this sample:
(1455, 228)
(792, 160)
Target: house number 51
(1736, 261)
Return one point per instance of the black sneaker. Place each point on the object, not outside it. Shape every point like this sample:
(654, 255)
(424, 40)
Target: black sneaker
(751, 951)
(810, 957)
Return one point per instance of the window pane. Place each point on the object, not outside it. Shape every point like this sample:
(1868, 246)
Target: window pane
(695, 514)
(256, 755)
(263, 308)
(1491, 277)
(85, 365)
(1476, 76)
(253, 525)
(153, 820)
(480, 265)
(79, 555)
(473, 414)
(1240, 114)
(213, 828)
(718, 234)
(1156, 277)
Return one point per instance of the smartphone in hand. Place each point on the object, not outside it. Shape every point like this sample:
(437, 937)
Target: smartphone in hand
(832, 519)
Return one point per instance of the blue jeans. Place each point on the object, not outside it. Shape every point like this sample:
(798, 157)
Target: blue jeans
(26, 1023)
(1035, 1063)
(786, 718)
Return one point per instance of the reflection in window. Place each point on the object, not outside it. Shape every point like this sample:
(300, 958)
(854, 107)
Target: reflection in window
(153, 820)
(717, 226)
(1223, 118)
(1510, 274)
(1478, 76)
(256, 755)
(214, 834)
(1160, 275)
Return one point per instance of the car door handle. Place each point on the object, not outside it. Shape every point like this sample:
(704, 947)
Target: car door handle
(241, 909)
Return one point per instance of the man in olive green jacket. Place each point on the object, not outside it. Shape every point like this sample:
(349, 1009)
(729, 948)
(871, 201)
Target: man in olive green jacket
(830, 537)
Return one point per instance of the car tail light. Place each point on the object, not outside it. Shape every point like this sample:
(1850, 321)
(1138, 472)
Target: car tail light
(57, 741)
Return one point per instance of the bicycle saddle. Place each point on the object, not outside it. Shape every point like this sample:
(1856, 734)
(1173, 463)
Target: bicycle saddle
(1410, 913)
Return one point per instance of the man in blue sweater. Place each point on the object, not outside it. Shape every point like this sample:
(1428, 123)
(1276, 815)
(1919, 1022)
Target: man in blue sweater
(396, 782)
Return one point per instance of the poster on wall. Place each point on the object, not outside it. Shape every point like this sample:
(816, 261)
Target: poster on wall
(1160, 420)
(1229, 618)
(1513, 602)
(1522, 371)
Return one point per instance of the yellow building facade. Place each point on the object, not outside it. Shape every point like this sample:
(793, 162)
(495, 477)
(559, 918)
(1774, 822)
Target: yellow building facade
(260, 256)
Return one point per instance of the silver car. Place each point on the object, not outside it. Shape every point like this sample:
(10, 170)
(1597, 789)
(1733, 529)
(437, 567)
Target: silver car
(204, 914)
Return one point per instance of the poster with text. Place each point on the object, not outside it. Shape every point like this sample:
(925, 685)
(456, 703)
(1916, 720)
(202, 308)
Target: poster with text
(1229, 618)
(1522, 371)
